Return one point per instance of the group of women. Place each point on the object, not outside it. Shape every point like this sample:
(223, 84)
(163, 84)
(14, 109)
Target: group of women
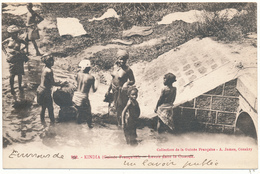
(122, 75)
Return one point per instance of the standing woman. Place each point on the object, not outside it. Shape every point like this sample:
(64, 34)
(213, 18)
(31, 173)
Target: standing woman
(15, 56)
(122, 78)
(44, 90)
(32, 29)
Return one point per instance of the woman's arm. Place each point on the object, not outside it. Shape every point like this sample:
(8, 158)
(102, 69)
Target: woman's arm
(174, 94)
(6, 41)
(53, 83)
(94, 88)
(124, 112)
(109, 88)
(39, 17)
(131, 78)
(138, 110)
(160, 101)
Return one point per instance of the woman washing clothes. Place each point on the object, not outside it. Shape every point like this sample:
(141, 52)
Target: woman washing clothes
(122, 78)
(44, 90)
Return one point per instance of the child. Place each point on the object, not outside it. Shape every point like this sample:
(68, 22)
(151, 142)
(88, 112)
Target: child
(85, 81)
(44, 91)
(129, 121)
(164, 107)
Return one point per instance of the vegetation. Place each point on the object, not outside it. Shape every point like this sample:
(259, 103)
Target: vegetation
(139, 14)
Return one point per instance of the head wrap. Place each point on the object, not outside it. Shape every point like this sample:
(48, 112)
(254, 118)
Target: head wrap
(29, 5)
(122, 54)
(46, 58)
(84, 64)
(13, 29)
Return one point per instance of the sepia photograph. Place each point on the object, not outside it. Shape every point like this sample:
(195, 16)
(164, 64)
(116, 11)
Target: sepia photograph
(128, 85)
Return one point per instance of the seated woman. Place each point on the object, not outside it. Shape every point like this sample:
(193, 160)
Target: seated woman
(122, 78)
(15, 56)
(164, 107)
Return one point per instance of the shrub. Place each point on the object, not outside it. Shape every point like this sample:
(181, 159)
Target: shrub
(223, 28)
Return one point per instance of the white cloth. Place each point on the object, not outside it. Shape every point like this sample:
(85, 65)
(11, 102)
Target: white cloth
(70, 26)
(110, 13)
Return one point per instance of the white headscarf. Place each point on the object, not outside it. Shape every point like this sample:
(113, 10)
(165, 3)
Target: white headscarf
(84, 64)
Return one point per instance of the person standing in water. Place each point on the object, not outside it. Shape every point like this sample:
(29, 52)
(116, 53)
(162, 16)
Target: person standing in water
(32, 29)
(164, 107)
(130, 116)
(85, 82)
(44, 91)
(122, 78)
(15, 56)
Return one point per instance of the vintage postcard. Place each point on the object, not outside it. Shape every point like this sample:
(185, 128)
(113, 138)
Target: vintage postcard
(129, 85)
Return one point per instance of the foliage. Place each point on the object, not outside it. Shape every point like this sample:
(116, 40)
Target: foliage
(137, 14)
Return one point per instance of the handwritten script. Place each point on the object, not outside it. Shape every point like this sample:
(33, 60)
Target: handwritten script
(16, 154)
(187, 164)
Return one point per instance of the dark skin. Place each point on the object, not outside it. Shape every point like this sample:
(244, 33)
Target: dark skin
(168, 94)
(129, 123)
(14, 40)
(85, 81)
(32, 22)
(47, 80)
(132, 101)
(121, 77)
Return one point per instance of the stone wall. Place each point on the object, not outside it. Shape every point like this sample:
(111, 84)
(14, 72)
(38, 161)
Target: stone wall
(214, 111)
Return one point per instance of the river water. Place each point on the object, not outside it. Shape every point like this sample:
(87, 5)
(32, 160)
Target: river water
(22, 128)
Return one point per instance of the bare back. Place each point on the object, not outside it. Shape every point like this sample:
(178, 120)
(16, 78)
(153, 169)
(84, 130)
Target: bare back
(85, 82)
(168, 95)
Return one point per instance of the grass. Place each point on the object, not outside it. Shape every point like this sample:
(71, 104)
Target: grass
(139, 14)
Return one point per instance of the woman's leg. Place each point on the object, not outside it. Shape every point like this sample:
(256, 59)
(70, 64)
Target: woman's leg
(159, 126)
(20, 78)
(27, 45)
(36, 48)
(12, 84)
(42, 115)
(51, 114)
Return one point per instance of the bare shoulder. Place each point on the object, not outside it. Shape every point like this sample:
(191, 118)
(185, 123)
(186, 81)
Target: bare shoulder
(165, 88)
(87, 77)
(47, 70)
(129, 70)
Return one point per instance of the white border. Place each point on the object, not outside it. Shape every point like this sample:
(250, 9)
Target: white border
(127, 171)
